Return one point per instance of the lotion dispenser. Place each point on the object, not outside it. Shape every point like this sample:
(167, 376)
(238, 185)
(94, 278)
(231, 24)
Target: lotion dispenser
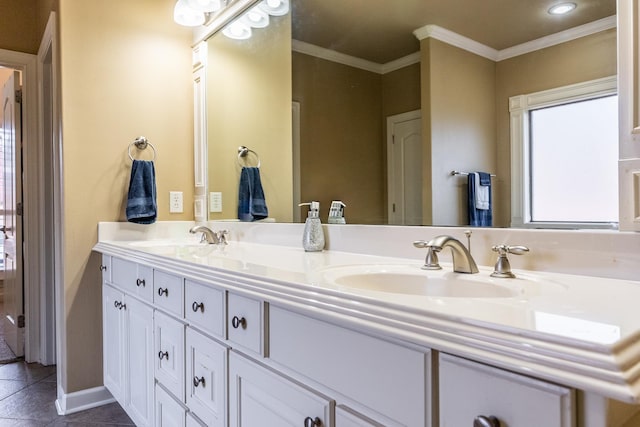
(313, 235)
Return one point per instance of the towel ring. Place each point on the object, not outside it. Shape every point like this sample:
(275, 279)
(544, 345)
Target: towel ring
(244, 152)
(141, 143)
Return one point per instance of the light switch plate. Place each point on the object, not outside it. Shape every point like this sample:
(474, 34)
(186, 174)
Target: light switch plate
(175, 202)
(215, 201)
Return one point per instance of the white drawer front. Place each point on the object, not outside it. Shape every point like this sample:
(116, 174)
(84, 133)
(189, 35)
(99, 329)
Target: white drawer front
(132, 278)
(390, 379)
(346, 417)
(204, 307)
(169, 354)
(169, 413)
(167, 292)
(469, 390)
(206, 378)
(245, 322)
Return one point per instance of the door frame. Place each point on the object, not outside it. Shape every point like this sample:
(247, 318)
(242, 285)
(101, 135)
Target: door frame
(27, 65)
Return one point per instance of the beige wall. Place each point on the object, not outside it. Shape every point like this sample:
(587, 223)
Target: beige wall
(584, 59)
(125, 71)
(343, 135)
(460, 134)
(249, 103)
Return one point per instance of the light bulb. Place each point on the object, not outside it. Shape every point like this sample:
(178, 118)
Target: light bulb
(205, 5)
(257, 18)
(275, 7)
(562, 8)
(184, 15)
(238, 30)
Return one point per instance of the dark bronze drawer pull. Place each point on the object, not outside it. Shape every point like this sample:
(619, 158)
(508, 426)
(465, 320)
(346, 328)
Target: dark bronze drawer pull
(164, 291)
(195, 307)
(197, 381)
(163, 355)
(140, 282)
(236, 322)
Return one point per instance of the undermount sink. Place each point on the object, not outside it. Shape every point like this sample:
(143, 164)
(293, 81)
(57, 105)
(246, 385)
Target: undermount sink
(154, 243)
(412, 280)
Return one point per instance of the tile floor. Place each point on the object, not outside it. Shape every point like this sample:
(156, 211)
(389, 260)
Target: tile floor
(27, 399)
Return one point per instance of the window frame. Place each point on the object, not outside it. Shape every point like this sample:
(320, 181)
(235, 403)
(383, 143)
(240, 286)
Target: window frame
(519, 109)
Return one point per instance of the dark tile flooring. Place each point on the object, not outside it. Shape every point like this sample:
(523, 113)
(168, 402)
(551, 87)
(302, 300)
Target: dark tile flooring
(27, 399)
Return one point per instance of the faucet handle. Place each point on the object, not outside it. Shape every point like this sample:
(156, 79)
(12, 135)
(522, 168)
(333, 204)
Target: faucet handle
(503, 267)
(431, 262)
(222, 236)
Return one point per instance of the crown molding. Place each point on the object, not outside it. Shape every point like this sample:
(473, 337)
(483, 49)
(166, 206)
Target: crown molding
(557, 38)
(459, 41)
(456, 40)
(473, 46)
(352, 61)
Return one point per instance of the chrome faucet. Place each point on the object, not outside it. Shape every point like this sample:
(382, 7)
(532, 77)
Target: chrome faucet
(210, 236)
(462, 260)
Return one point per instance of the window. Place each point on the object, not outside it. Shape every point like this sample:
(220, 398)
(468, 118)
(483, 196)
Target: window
(564, 152)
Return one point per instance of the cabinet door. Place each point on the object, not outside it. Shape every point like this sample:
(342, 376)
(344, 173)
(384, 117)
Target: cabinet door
(169, 354)
(205, 380)
(469, 390)
(113, 341)
(139, 362)
(169, 413)
(259, 397)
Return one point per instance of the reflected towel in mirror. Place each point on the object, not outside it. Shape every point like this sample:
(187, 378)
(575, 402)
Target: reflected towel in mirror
(480, 214)
(252, 205)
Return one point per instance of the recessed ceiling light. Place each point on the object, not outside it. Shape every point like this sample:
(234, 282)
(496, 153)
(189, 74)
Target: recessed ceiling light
(561, 8)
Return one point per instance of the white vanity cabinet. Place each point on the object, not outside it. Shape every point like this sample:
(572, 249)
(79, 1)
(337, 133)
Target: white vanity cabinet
(260, 397)
(470, 390)
(128, 344)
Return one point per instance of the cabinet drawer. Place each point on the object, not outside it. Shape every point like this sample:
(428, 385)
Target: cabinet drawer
(132, 278)
(345, 417)
(390, 379)
(245, 322)
(167, 292)
(204, 307)
(260, 397)
(469, 390)
(169, 413)
(169, 354)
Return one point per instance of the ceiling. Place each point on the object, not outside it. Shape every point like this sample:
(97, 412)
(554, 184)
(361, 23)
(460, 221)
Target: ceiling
(381, 30)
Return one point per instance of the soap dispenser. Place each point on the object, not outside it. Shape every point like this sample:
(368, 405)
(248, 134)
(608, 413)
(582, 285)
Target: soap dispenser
(313, 235)
(336, 213)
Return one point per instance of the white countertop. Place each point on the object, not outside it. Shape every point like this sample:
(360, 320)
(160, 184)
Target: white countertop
(559, 327)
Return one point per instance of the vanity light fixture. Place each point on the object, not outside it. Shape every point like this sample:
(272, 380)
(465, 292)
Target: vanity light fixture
(275, 7)
(257, 17)
(238, 29)
(205, 5)
(185, 15)
(561, 8)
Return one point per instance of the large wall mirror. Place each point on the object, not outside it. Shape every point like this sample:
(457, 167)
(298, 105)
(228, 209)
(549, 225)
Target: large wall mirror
(376, 105)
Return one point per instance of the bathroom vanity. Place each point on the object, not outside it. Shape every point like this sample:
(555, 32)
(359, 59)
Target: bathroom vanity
(249, 334)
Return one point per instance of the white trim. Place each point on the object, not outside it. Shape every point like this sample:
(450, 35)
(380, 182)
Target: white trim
(519, 107)
(456, 40)
(295, 121)
(352, 61)
(69, 403)
(200, 207)
(558, 38)
(48, 281)
(480, 49)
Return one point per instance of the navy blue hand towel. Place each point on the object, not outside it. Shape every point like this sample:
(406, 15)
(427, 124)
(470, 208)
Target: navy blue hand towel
(479, 217)
(141, 200)
(252, 205)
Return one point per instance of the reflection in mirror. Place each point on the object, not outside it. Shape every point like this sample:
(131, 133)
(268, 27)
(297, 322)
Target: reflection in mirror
(360, 75)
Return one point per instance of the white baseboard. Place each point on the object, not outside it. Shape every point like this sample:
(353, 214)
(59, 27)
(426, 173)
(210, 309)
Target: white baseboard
(69, 403)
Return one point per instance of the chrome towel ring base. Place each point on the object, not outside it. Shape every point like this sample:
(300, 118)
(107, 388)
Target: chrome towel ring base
(244, 152)
(141, 143)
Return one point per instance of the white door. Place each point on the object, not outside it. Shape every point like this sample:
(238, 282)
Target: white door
(404, 159)
(13, 316)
